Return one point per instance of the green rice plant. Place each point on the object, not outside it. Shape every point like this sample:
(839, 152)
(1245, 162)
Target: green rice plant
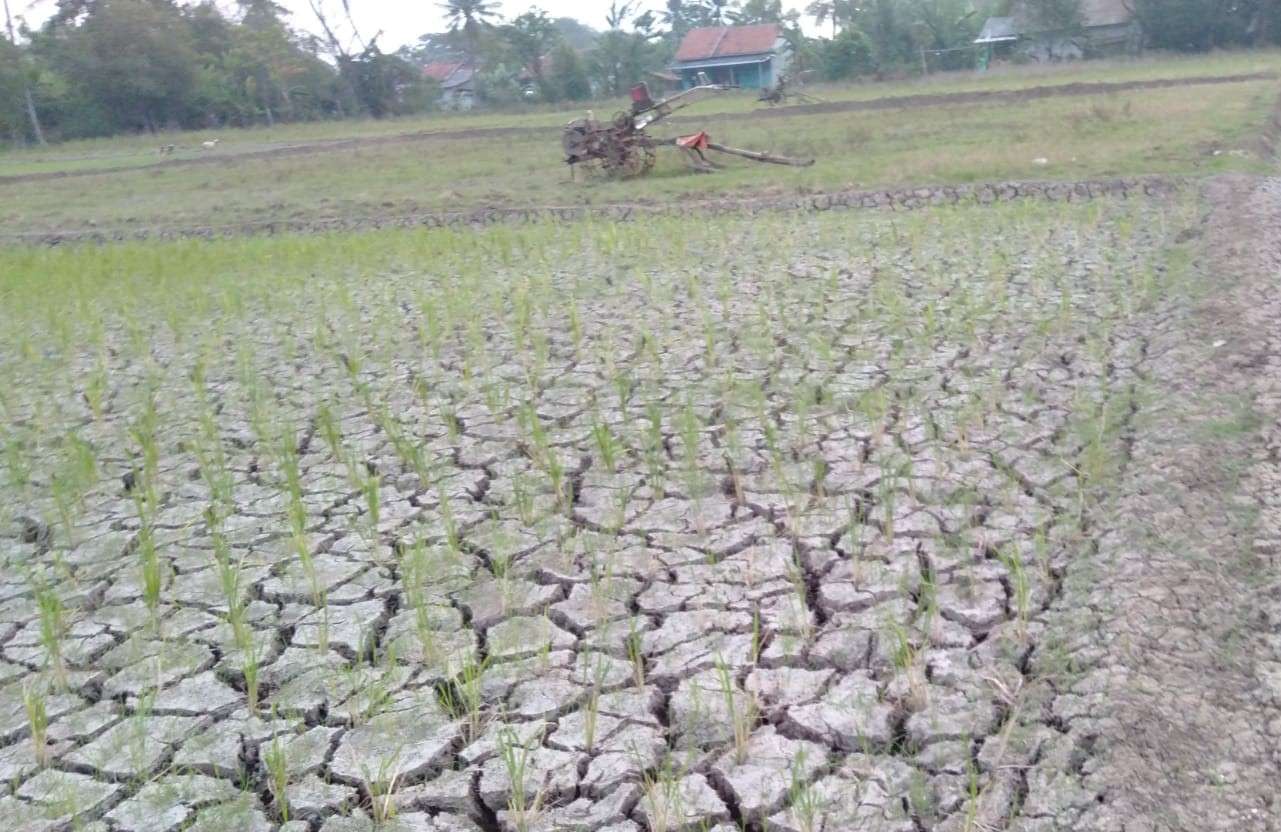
(139, 723)
(287, 459)
(151, 569)
(381, 786)
(1020, 587)
(758, 635)
(16, 462)
(661, 797)
(636, 654)
(275, 760)
(53, 630)
(606, 443)
(249, 669)
(96, 388)
(74, 476)
(690, 428)
(742, 716)
(143, 431)
(415, 574)
(369, 489)
(654, 448)
(1041, 546)
(463, 696)
(973, 794)
(544, 456)
(804, 804)
(524, 808)
(230, 572)
(800, 600)
(908, 659)
(591, 707)
(34, 702)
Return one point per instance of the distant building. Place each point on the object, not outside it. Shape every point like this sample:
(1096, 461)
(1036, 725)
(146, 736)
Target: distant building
(744, 56)
(457, 81)
(1108, 27)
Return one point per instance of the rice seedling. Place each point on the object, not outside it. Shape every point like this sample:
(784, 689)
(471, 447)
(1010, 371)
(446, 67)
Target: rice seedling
(463, 696)
(250, 668)
(34, 703)
(516, 754)
(380, 784)
(276, 761)
(805, 806)
(52, 630)
(661, 797)
(740, 708)
(636, 654)
(1019, 587)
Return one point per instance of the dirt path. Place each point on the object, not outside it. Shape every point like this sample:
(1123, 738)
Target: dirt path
(896, 102)
(1168, 698)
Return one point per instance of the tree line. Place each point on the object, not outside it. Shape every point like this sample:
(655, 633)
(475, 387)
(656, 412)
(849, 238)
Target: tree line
(101, 67)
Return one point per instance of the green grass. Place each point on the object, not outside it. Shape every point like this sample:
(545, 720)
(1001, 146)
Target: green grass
(1167, 131)
(126, 151)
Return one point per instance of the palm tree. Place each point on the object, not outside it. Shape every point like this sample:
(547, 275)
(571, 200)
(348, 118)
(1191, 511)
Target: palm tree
(470, 16)
(822, 11)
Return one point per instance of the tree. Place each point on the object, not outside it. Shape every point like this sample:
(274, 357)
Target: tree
(1055, 15)
(135, 59)
(679, 16)
(470, 17)
(21, 77)
(621, 58)
(567, 76)
(1194, 25)
(825, 10)
(531, 36)
(847, 55)
(887, 26)
(763, 11)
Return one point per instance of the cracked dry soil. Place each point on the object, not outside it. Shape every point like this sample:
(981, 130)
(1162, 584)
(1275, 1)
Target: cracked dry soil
(962, 521)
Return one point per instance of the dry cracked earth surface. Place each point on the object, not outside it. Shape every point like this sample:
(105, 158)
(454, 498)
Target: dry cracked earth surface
(966, 520)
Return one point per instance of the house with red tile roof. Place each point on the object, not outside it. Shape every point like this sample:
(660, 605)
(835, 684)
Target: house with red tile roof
(744, 56)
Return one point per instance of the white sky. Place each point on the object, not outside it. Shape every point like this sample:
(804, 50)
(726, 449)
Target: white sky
(401, 21)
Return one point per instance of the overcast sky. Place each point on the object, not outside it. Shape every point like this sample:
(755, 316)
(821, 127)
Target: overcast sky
(400, 21)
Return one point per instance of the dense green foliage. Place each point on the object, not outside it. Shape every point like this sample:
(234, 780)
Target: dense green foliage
(1197, 25)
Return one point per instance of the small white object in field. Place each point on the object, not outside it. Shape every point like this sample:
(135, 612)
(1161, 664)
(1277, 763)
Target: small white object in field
(1040, 160)
(1218, 344)
(209, 145)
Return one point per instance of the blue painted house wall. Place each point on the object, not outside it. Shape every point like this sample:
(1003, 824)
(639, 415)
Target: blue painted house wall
(751, 72)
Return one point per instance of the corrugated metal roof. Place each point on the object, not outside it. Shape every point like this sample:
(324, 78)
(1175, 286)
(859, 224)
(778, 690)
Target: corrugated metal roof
(1105, 12)
(998, 30)
(726, 41)
(1094, 13)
